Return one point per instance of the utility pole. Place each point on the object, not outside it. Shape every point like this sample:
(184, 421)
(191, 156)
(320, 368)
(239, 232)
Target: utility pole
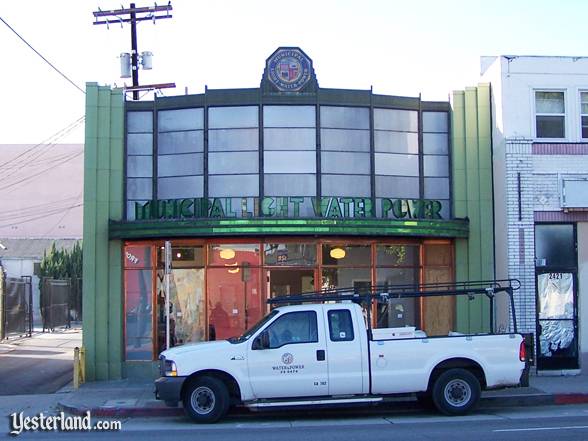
(133, 15)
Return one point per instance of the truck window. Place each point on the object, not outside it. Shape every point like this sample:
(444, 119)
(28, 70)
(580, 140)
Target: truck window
(340, 325)
(293, 327)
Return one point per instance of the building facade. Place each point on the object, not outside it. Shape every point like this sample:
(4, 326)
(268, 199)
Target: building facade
(540, 141)
(276, 190)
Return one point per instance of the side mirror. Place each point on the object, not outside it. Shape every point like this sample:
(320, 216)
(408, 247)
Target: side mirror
(261, 341)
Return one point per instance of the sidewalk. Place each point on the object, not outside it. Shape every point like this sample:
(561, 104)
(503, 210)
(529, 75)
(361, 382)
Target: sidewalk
(126, 398)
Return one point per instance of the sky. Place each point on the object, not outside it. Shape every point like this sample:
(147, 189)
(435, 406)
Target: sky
(399, 47)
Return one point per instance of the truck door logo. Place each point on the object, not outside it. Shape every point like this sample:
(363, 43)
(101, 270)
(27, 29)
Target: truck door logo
(287, 358)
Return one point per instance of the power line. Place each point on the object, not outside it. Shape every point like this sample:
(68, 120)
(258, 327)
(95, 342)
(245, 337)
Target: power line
(37, 217)
(25, 162)
(55, 137)
(65, 213)
(28, 178)
(36, 209)
(44, 59)
(49, 212)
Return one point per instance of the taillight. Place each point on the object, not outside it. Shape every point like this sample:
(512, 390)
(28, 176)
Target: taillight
(523, 351)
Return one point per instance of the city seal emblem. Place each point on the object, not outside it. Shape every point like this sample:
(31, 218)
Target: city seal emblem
(289, 69)
(287, 358)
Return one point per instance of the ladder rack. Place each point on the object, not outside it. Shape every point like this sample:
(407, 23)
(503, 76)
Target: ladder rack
(386, 292)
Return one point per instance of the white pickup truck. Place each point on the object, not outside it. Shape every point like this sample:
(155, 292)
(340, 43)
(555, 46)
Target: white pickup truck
(324, 354)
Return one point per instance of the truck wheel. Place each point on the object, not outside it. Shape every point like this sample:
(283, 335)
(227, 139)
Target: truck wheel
(206, 399)
(456, 392)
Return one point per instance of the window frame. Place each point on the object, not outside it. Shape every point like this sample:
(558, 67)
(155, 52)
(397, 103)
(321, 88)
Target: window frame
(581, 115)
(564, 114)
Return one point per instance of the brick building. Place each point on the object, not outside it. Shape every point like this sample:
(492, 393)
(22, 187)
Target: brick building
(540, 159)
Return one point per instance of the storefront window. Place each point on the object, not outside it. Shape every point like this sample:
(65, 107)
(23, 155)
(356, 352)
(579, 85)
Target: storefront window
(343, 261)
(217, 291)
(234, 254)
(234, 291)
(138, 279)
(346, 255)
(187, 314)
(289, 254)
(358, 279)
(289, 281)
(397, 265)
(397, 255)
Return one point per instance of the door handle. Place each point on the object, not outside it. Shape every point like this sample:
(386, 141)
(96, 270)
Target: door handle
(320, 355)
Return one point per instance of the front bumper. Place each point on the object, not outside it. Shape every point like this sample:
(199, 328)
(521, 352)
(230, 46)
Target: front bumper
(169, 389)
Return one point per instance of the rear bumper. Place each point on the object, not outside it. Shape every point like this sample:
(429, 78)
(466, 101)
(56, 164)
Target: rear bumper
(169, 389)
(524, 381)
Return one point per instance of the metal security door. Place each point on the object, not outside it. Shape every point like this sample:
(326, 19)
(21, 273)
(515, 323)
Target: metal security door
(557, 321)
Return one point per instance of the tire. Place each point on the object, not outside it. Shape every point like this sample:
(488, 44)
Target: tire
(206, 399)
(456, 392)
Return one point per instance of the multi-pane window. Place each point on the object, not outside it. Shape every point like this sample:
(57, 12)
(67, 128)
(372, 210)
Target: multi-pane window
(436, 158)
(345, 151)
(180, 153)
(172, 155)
(233, 151)
(396, 159)
(139, 159)
(550, 114)
(584, 113)
(289, 157)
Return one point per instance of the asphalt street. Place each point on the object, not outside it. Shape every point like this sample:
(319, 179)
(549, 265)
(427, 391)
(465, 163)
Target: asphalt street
(40, 364)
(514, 424)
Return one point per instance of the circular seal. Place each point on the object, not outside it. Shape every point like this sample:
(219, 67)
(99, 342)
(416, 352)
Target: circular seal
(287, 358)
(289, 70)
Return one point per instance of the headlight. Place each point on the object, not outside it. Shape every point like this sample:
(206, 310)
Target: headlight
(170, 369)
(167, 368)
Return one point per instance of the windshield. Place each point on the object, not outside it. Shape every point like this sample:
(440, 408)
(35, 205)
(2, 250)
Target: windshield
(247, 334)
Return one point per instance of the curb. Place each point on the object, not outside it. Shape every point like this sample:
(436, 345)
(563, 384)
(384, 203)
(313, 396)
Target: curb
(406, 406)
(102, 411)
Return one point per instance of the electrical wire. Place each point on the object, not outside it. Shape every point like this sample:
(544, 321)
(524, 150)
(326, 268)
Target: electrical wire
(37, 209)
(47, 212)
(28, 178)
(57, 135)
(25, 162)
(44, 59)
(65, 213)
(38, 217)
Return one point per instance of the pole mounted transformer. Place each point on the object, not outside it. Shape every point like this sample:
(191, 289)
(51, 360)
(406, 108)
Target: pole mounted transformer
(129, 62)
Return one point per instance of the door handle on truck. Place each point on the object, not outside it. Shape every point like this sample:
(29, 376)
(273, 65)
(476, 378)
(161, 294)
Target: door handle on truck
(320, 355)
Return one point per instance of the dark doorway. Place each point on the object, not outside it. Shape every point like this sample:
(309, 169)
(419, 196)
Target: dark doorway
(557, 297)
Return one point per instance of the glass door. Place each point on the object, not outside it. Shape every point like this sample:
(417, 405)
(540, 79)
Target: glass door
(557, 321)
(557, 311)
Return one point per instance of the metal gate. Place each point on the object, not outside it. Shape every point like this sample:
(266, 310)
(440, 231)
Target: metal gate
(17, 310)
(55, 303)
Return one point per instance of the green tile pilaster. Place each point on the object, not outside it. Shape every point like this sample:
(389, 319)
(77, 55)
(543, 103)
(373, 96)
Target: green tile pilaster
(472, 198)
(103, 159)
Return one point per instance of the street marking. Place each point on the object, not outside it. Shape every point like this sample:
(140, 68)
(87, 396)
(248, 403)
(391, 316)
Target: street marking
(530, 429)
